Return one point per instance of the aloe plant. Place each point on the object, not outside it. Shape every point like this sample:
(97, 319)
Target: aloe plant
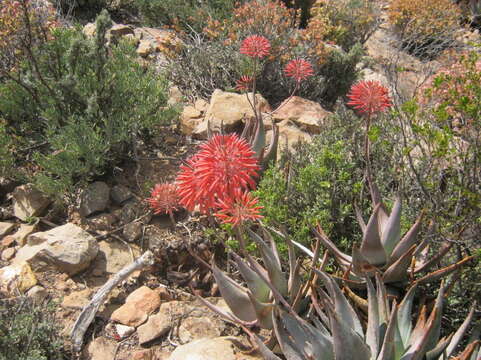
(336, 332)
(384, 251)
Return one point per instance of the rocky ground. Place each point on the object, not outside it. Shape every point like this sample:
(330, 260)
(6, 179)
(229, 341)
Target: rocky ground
(154, 314)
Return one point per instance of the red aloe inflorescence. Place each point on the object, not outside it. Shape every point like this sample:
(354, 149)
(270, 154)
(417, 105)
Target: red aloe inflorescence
(164, 199)
(244, 83)
(239, 208)
(298, 69)
(224, 164)
(255, 46)
(369, 97)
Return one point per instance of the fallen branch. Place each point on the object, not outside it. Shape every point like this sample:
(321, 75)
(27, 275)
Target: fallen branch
(88, 312)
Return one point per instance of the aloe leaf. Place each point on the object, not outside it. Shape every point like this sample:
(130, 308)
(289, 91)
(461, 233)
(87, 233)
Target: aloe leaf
(371, 246)
(388, 349)
(383, 307)
(372, 331)
(270, 155)
(404, 316)
(290, 348)
(391, 232)
(226, 315)
(342, 307)
(360, 265)
(426, 265)
(419, 338)
(435, 275)
(398, 271)
(235, 296)
(359, 218)
(259, 142)
(294, 282)
(343, 259)
(256, 285)
(436, 315)
(439, 349)
(276, 275)
(460, 332)
(408, 240)
(471, 351)
(264, 350)
(263, 311)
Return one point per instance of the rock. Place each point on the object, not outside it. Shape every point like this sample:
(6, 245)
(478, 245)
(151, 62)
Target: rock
(133, 210)
(94, 199)
(229, 109)
(194, 328)
(289, 135)
(8, 254)
(102, 222)
(220, 348)
(164, 293)
(113, 256)
(119, 194)
(201, 105)
(89, 30)
(23, 232)
(7, 241)
(175, 96)
(190, 118)
(119, 30)
(124, 331)
(28, 202)
(132, 231)
(307, 114)
(101, 349)
(143, 355)
(145, 48)
(38, 294)
(5, 228)
(157, 325)
(68, 248)
(17, 277)
(77, 299)
(138, 306)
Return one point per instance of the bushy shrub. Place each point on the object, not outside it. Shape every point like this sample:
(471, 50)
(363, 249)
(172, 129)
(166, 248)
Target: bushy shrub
(217, 55)
(186, 15)
(83, 103)
(6, 152)
(344, 22)
(425, 28)
(29, 331)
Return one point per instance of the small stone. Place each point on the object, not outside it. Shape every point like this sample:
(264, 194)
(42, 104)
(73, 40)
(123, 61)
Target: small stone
(138, 305)
(129, 314)
(94, 199)
(17, 277)
(28, 202)
(113, 256)
(132, 231)
(5, 228)
(143, 355)
(193, 328)
(102, 222)
(170, 140)
(37, 294)
(124, 331)
(157, 325)
(146, 298)
(7, 241)
(101, 349)
(120, 194)
(164, 293)
(8, 254)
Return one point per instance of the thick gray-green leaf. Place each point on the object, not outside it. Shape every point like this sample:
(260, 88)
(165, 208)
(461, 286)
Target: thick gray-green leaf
(343, 259)
(290, 349)
(398, 271)
(408, 240)
(388, 349)
(391, 231)
(263, 311)
(256, 285)
(371, 246)
(235, 296)
(264, 350)
(404, 316)
(436, 353)
(372, 331)
(458, 335)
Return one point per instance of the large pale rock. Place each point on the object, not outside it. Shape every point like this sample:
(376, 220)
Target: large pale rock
(119, 30)
(138, 306)
(17, 277)
(68, 248)
(307, 114)
(23, 232)
(229, 110)
(113, 256)
(190, 118)
(94, 199)
(89, 30)
(194, 328)
(5, 228)
(220, 348)
(28, 202)
(145, 48)
(157, 326)
(289, 135)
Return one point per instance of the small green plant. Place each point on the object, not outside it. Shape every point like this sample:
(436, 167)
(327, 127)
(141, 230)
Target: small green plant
(30, 331)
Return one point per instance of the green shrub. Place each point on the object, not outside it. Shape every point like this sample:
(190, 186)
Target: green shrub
(29, 332)
(87, 102)
(6, 153)
(187, 15)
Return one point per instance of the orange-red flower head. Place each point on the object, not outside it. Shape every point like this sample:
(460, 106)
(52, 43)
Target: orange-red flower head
(244, 83)
(164, 199)
(369, 97)
(238, 208)
(299, 69)
(255, 46)
(223, 164)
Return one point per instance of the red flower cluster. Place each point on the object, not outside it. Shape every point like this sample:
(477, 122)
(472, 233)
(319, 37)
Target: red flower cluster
(237, 209)
(299, 69)
(223, 168)
(369, 97)
(244, 83)
(255, 46)
(164, 198)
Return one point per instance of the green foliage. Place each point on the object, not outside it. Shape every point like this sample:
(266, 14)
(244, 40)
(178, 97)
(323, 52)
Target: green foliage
(87, 101)
(29, 332)
(187, 15)
(6, 154)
